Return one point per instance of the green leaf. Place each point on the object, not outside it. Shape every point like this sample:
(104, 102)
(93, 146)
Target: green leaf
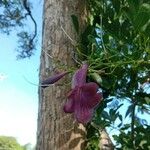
(141, 19)
(128, 113)
(147, 30)
(144, 121)
(106, 115)
(75, 23)
(120, 117)
(120, 124)
(147, 99)
(118, 107)
(116, 5)
(134, 4)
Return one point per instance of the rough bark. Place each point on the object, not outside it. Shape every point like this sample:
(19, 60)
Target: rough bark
(105, 141)
(57, 130)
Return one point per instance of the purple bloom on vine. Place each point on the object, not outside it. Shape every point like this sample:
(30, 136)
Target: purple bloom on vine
(79, 78)
(83, 98)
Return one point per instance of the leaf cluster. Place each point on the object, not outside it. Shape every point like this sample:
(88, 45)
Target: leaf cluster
(13, 16)
(116, 44)
(9, 143)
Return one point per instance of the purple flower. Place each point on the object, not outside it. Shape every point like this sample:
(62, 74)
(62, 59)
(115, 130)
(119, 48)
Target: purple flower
(79, 78)
(52, 79)
(83, 98)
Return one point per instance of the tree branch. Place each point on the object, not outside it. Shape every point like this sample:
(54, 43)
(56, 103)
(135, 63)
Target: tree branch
(132, 124)
(27, 8)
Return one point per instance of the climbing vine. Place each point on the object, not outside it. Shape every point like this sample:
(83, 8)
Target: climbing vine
(117, 47)
(113, 91)
(111, 87)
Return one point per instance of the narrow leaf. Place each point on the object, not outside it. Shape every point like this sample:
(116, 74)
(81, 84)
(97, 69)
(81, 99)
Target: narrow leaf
(129, 111)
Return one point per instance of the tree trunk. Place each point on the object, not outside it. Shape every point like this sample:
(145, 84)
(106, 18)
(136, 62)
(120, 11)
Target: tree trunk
(57, 130)
(105, 141)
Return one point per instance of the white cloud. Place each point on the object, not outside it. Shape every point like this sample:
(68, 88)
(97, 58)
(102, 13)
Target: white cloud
(2, 76)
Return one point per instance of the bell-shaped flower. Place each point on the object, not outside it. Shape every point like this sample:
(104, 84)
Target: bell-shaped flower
(83, 98)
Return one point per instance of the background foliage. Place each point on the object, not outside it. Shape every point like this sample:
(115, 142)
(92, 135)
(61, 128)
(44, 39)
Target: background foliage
(116, 44)
(15, 15)
(10, 143)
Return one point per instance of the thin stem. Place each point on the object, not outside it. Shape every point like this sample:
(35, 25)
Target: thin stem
(132, 125)
(73, 42)
(103, 45)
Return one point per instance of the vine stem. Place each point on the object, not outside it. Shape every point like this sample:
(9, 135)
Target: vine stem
(73, 42)
(132, 124)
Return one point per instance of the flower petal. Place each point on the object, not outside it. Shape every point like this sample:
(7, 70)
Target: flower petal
(89, 95)
(83, 114)
(79, 77)
(82, 101)
(90, 88)
(52, 79)
(69, 106)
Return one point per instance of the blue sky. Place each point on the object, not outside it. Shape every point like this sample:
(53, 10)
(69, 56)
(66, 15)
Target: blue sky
(19, 98)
